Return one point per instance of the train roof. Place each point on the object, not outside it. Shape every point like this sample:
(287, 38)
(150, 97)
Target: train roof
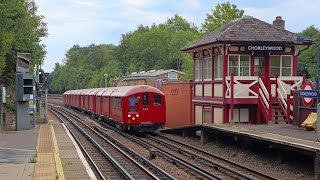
(116, 91)
(129, 90)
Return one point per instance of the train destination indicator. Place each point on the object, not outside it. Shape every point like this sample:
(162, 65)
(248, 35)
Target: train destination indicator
(266, 48)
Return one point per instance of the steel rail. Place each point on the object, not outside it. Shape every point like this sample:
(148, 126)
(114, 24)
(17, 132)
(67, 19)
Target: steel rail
(196, 170)
(82, 148)
(116, 147)
(209, 162)
(144, 160)
(102, 150)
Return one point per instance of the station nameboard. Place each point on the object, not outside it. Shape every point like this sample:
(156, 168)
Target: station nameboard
(308, 94)
(265, 48)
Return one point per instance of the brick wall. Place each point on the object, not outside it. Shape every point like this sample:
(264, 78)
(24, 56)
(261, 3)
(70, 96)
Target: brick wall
(178, 101)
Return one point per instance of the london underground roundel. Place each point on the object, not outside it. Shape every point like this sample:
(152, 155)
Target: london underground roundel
(308, 85)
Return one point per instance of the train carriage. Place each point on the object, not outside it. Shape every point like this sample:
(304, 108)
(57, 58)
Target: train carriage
(138, 108)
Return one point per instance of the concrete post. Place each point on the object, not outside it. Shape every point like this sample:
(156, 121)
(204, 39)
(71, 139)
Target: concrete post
(317, 165)
(1, 109)
(204, 135)
(318, 122)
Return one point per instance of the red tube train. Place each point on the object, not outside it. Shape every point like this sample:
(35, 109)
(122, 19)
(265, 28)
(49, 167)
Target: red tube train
(130, 108)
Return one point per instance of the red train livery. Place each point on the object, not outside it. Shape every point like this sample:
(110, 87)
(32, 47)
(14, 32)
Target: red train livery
(138, 108)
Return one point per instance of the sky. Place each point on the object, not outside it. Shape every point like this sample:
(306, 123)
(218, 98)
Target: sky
(84, 22)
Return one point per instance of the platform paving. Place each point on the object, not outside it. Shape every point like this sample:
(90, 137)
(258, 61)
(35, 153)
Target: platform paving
(278, 133)
(74, 165)
(17, 149)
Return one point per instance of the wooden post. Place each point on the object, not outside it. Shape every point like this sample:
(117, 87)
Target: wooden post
(259, 99)
(288, 109)
(277, 86)
(232, 96)
(270, 106)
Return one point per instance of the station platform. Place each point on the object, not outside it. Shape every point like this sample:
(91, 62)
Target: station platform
(286, 136)
(47, 151)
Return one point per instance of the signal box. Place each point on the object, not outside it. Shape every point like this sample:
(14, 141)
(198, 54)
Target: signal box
(24, 87)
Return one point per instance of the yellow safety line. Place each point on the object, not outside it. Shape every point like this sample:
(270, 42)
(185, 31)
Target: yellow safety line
(59, 168)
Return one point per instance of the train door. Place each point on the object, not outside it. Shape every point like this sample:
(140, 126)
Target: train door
(145, 108)
(157, 108)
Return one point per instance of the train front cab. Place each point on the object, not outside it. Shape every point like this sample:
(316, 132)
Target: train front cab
(145, 112)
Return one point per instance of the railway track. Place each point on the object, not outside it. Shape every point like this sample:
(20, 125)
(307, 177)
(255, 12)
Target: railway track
(108, 159)
(202, 164)
(232, 168)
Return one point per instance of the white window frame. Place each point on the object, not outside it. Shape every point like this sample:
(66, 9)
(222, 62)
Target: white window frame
(205, 60)
(176, 75)
(218, 62)
(239, 55)
(199, 62)
(280, 74)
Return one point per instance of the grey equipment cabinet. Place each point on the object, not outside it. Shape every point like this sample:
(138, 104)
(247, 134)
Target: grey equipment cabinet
(24, 87)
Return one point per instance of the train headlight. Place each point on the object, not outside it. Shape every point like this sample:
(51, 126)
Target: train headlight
(129, 115)
(137, 115)
(133, 118)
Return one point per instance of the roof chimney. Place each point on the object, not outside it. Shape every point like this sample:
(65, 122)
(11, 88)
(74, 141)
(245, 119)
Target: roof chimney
(279, 23)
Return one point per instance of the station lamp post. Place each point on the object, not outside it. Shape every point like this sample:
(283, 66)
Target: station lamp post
(105, 80)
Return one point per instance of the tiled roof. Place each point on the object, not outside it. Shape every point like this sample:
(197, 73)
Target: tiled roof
(245, 29)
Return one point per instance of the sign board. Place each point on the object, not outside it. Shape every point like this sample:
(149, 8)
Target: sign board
(308, 93)
(23, 62)
(265, 48)
(31, 108)
(42, 86)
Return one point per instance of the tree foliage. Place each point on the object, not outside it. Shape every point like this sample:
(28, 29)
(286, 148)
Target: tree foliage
(221, 15)
(146, 48)
(84, 67)
(21, 30)
(308, 58)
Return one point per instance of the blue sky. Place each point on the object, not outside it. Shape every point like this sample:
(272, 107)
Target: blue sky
(103, 21)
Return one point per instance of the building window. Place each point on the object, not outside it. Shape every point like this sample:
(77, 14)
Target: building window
(280, 65)
(198, 70)
(239, 65)
(207, 68)
(172, 75)
(259, 65)
(218, 67)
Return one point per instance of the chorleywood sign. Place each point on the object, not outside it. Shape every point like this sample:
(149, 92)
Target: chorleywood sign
(277, 48)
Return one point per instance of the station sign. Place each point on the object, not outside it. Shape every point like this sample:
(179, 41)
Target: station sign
(308, 93)
(42, 86)
(265, 48)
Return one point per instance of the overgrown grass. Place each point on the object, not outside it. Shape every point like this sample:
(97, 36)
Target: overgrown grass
(33, 159)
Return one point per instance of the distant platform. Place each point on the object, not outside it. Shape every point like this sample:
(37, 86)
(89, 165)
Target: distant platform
(278, 134)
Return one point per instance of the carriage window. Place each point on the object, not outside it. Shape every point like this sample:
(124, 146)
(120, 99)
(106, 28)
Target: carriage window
(156, 99)
(116, 102)
(133, 100)
(145, 99)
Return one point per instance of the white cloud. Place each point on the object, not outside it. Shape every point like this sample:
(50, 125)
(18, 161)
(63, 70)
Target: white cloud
(103, 21)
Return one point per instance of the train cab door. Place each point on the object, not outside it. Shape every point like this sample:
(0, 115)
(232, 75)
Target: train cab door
(157, 106)
(144, 112)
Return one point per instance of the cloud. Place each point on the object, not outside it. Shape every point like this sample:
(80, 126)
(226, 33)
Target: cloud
(103, 21)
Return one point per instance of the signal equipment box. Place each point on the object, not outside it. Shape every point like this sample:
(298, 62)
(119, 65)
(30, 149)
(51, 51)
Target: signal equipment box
(24, 87)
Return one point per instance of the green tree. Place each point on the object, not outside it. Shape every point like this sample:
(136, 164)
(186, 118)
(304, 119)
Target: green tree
(221, 15)
(21, 30)
(308, 58)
